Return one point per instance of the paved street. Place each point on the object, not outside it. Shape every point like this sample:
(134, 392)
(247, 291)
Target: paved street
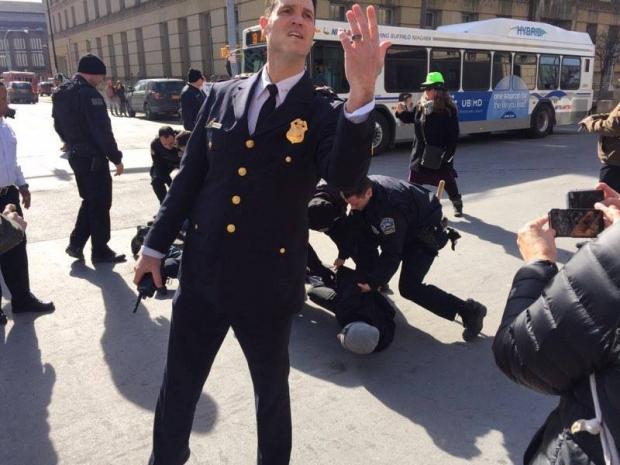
(79, 386)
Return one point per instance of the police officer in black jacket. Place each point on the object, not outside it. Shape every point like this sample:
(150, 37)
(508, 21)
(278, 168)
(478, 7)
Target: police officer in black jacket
(406, 220)
(259, 147)
(192, 97)
(166, 158)
(82, 122)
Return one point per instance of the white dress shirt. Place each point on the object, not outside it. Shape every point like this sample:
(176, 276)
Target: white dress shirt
(10, 172)
(261, 94)
(259, 97)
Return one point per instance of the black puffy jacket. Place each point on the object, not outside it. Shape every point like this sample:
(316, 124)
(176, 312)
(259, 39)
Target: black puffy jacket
(557, 329)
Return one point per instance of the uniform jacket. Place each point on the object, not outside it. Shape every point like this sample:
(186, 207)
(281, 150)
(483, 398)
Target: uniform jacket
(607, 125)
(440, 129)
(81, 120)
(10, 234)
(191, 101)
(349, 304)
(163, 159)
(247, 195)
(396, 214)
(558, 328)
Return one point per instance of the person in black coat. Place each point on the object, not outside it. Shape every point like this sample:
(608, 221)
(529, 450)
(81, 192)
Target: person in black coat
(166, 158)
(560, 335)
(406, 221)
(192, 97)
(436, 123)
(366, 318)
(82, 122)
(258, 149)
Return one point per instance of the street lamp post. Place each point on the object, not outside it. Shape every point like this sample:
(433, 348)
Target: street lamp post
(7, 53)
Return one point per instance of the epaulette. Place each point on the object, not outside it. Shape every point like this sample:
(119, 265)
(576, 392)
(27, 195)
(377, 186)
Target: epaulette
(326, 91)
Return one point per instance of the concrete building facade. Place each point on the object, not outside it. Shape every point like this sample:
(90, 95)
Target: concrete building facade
(23, 38)
(154, 38)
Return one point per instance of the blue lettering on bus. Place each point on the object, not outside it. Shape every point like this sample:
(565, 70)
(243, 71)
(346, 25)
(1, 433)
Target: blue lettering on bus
(529, 31)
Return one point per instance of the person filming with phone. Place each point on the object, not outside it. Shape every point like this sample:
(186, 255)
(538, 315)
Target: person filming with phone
(559, 335)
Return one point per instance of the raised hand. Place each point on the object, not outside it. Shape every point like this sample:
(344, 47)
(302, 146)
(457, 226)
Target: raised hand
(363, 55)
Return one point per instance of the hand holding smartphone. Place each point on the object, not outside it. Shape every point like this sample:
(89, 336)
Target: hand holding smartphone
(576, 222)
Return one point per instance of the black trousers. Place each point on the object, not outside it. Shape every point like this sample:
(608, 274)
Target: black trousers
(417, 261)
(160, 181)
(95, 187)
(610, 174)
(197, 331)
(14, 263)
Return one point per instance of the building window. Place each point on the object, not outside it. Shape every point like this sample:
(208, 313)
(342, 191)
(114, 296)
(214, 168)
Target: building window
(432, 19)
(96, 5)
(35, 43)
(592, 30)
(337, 11)
(88, 46)
(385, 15)
(37, 60)
(21, 59)
(73, 21)
(60, 21)
(66, 19)
(468, 17)
(85, 6)
(563, 23)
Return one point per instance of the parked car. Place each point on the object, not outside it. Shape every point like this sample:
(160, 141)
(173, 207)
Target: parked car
(46, 88)
(155, 97)
(21, 92)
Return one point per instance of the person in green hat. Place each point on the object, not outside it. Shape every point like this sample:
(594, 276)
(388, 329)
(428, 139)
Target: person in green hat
(436, 132)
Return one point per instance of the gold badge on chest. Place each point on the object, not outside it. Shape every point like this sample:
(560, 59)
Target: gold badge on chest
(297, 131)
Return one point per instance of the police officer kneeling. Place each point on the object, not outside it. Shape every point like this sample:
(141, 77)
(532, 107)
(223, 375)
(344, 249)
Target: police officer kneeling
(406, 220)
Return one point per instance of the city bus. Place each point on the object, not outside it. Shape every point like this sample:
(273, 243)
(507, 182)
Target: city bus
(504, 74)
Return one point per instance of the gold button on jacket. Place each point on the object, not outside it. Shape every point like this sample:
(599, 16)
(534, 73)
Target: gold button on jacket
(250, 143)
(242, 171)
(236, 200)
(231, 228)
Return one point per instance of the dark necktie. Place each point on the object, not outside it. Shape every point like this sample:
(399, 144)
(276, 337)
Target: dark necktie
(268, 107)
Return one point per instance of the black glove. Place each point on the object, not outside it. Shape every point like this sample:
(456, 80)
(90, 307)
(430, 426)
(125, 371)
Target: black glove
(454, 236)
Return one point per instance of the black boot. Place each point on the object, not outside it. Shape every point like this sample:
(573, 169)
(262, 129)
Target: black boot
(107, 255)
(472, 315)
(32, 304)
(75, 252)
(457, 203)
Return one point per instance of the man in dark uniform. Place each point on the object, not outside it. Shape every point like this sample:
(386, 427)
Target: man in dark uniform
(192, 97)
(82, 122)
(259, 147)
(166, 158)
(406, 220)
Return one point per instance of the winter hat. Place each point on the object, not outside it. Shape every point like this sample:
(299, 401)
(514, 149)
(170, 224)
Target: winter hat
(194, 75)
(359, 337)
(91, 64)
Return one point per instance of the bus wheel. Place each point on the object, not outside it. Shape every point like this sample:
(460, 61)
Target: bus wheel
(381, 137)
(541, 123)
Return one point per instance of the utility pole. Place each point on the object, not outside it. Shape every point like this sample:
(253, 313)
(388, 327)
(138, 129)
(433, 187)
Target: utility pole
(49, 20)
(231, 26)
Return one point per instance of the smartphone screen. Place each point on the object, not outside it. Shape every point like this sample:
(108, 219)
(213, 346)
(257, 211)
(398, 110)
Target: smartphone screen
(584, 199)
(576, 222)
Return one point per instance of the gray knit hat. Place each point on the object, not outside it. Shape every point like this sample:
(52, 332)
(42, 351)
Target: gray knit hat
(359, 337)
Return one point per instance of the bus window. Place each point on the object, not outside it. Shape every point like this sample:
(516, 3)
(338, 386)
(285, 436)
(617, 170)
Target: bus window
(502, 64)
(476, 70)
(328, 66)
(571, 73)
(405, 68)
(525, 68)
(448, 63)
(548, 72)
